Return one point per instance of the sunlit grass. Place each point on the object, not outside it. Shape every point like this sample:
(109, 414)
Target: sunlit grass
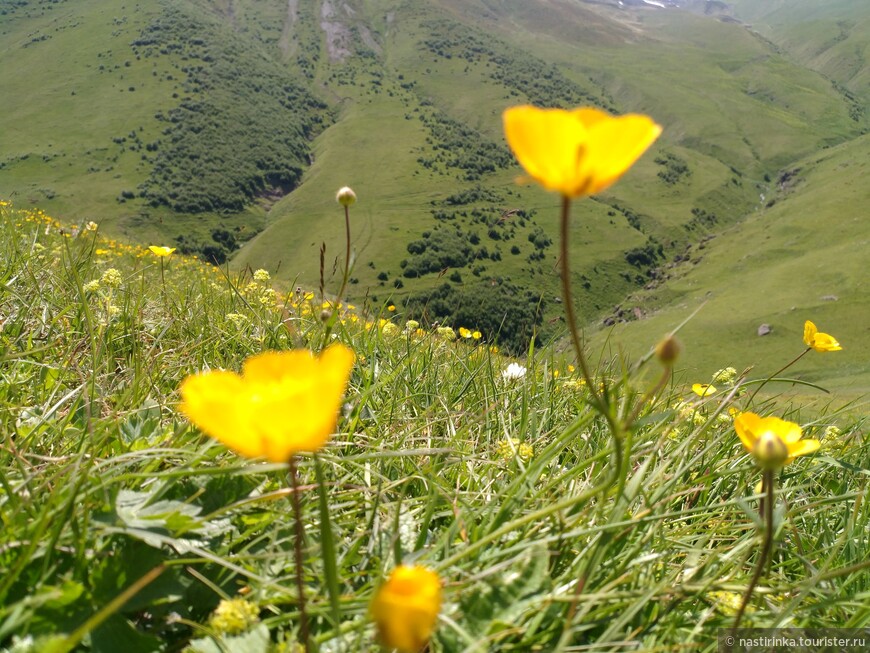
(501, 483)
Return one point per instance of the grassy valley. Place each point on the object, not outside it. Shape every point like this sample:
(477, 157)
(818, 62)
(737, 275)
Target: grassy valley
(402, 101)
(795, 258)
(202, 450)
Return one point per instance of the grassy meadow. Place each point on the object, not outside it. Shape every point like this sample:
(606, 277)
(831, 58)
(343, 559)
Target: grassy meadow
(608, 501)
(555, 518)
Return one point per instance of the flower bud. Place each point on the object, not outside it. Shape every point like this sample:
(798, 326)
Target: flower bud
(406, 607)
(345, 196)
(668, 350)
(770, 451)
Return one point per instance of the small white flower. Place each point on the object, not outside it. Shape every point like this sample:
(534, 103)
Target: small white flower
(514, 371)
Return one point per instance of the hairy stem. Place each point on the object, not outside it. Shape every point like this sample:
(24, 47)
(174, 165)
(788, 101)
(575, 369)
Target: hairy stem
(767, 491)
(779, 371)
(299, 546)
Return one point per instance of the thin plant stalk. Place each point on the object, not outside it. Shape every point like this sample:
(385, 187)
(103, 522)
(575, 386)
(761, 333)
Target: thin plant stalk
(345, 277)
(567, 300)
(298, 546)
(779, 371)
(599, 402)
(767, 508)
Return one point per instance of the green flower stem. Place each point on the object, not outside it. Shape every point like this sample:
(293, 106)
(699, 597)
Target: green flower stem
(651, 393)
(767, 498)
(327, 545)
(598, 400)
(332, 318)
(775, 374)
(567, 299)
(299, 545)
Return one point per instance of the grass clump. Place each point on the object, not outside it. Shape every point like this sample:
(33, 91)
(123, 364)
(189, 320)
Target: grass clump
(124, 527)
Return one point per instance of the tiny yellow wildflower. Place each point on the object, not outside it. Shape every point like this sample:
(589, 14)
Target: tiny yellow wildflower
(703, 389)
(819, 341)
(111, 278)
(234, 616)
(161, 252)
(509, 448)
(389, 329)
(726, 375)
(446, 332)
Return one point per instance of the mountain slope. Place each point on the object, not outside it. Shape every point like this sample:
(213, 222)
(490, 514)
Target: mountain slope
(801, 257)
(245, 117)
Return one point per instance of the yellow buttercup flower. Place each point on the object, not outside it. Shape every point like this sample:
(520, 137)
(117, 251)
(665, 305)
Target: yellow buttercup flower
(819, 341)
(161, 252)
(281, 404)
(577, 152)
(703, 389)
(773, 441)
(406, 607)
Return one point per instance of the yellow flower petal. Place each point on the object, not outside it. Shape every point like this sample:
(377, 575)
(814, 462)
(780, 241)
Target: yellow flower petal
(824, 342)
(211, 402)
(613, 147)
(161, 251)
(406, 607)
(579, 152)
(821, 342)
(703, 389)
(809, 333)
(283, 402)
(802, 448)
(746, 425)
(772, 441)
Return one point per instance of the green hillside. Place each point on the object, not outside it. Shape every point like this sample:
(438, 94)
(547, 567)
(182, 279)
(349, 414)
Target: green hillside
(225, 128)
(832, 38)
(800, 257)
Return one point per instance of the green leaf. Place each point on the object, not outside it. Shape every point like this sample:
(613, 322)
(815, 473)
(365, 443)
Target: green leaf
(255, 640)
(118, 634)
